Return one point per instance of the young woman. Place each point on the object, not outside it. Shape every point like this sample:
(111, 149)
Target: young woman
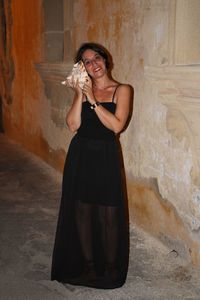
(91, 245)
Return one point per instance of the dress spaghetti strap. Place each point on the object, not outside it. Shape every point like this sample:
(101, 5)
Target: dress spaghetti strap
(113, 97)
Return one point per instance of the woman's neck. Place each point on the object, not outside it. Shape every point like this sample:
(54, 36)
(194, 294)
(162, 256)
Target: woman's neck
(102, 83)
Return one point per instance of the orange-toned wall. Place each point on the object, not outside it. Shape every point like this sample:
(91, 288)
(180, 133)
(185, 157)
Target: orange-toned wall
(22, 117)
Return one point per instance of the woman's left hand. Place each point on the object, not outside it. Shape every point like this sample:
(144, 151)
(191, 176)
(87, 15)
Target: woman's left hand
(87, 90)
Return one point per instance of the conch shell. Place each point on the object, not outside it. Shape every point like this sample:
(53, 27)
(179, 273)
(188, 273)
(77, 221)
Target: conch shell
(78, 73)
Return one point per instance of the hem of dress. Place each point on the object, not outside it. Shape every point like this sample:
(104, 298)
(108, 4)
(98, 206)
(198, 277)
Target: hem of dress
(100, 284)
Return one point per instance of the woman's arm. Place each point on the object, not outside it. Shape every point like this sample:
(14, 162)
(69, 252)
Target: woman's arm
(117, 121)
(73, 117)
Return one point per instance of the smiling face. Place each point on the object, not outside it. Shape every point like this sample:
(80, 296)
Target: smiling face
(94, 63)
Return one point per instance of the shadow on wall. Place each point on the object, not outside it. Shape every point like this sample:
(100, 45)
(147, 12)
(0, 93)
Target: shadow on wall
(6, 60)
(160, 218)
(1, 115)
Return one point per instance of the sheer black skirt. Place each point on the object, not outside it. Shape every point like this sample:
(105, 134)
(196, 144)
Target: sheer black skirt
(92, 241)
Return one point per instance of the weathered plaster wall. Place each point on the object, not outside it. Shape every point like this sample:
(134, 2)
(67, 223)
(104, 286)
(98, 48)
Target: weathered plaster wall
(161, 144)
(27, 112)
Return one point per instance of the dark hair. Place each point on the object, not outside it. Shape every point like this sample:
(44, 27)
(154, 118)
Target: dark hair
(97, 48)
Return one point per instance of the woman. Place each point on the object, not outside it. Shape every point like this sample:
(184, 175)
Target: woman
(91, 246)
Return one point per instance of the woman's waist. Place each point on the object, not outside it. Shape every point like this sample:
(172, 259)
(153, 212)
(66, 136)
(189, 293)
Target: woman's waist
(96, 136)
(101, 133)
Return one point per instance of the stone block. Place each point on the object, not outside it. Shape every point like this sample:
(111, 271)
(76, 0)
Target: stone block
(53, 15)
(53, 46)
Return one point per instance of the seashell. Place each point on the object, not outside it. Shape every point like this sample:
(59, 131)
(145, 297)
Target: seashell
(79, 73)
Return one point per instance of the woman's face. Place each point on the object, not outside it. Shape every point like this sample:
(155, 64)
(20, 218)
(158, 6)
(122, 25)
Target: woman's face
(94, 63)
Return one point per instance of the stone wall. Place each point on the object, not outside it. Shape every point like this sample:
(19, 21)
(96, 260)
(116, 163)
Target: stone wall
(155, 48)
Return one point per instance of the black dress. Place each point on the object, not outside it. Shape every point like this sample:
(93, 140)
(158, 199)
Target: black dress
(92, 225)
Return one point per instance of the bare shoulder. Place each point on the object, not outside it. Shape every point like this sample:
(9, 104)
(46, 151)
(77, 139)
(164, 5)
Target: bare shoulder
(124, 90)
(124, 86)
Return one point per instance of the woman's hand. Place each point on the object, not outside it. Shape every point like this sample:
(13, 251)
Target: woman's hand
(88, 92)
(73, 117)
(75, 86)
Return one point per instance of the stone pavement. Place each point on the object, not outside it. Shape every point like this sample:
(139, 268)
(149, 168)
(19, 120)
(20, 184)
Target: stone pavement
(29, 200)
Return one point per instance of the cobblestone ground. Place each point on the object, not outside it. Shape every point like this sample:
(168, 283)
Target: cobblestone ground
(29, 199)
